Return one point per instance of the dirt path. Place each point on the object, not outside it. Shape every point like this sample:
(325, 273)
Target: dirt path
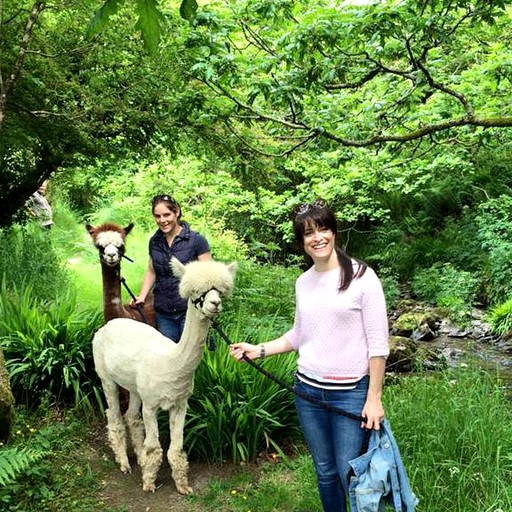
(124, 492)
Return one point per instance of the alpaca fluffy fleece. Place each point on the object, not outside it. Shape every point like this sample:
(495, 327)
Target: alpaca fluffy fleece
(158, 373)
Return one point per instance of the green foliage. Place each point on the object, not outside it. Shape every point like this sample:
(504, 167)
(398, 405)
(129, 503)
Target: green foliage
(341, 75)
(188, 9)
(47, 348)
(121, 191)
(263, 300)
(236, 412)
(500, 318)
(463, 462)
(58, 475)
(14, 462)
(494, 221)
(27, 255)
(391, 289)
(445, 286)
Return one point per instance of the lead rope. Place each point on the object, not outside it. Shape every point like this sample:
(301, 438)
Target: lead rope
(286, 386)
(139, 307)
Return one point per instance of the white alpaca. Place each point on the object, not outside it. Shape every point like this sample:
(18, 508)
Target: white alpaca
(158, 373)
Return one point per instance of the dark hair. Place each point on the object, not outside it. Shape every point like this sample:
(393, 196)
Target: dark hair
(168, 201)
(317, 214)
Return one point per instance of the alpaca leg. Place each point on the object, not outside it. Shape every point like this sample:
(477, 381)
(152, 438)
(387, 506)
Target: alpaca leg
(116, 426)
(176, 456)
(152, 453)
(135, 426)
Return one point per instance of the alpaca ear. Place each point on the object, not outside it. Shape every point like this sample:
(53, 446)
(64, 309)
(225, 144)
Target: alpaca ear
(178, 269)
(128, 228)
(90, 229)
(232, 268)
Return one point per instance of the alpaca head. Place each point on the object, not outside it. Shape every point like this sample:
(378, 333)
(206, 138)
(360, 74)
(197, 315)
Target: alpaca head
(109, 239)
(205, 283)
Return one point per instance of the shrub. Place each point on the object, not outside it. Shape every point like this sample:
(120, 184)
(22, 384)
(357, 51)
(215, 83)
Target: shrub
(47, 347)
(236, 412)
(391, 289)
(445, 286)
(500, 318)
(494, 221)
(27, 256)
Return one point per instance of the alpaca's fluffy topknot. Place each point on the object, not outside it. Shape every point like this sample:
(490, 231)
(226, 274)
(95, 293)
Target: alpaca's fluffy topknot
(202, 276)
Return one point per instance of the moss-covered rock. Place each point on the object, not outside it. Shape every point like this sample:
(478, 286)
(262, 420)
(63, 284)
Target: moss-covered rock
(407, 323)
(6, 401)
(402, 354)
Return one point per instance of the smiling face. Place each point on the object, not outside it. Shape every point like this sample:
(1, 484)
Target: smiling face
(315, 228)
(166, 218)
(319, 242)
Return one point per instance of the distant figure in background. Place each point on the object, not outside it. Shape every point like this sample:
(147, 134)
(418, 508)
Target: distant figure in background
(40, 208)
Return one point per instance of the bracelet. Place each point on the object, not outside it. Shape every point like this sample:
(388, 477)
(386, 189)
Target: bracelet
(262, 351)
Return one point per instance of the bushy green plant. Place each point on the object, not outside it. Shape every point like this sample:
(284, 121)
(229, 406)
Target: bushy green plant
(235, 411)
(46, 455)
(27, 256)
(14, 461)
(264, 296)
(391, 289)
(445, 286)
(494, 221)
(47, 347)
(500, 317)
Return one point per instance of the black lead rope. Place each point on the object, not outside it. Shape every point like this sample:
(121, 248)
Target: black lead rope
(139, 307)
(286, 386)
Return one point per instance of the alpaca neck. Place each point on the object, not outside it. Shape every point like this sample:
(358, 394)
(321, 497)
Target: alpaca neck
(112, 305)
(191, 346)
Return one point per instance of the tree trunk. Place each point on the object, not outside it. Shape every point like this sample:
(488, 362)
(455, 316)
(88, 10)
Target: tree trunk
(6, 401)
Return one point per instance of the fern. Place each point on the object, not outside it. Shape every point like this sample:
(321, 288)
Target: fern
(13, 462)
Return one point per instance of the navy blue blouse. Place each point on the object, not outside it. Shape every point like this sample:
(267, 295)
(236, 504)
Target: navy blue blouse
(186, 246)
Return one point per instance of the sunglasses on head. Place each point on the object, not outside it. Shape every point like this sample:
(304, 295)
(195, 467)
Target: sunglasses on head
(164, 197)
(304, 207)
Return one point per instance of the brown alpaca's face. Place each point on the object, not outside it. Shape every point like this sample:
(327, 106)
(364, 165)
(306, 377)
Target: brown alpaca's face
(111, 246)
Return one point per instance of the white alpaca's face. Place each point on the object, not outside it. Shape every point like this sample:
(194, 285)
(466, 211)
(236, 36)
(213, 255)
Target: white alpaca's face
(111, 247)
(209, 303)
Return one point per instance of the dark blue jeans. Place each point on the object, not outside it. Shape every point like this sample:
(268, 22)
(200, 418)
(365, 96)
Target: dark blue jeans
(332, 439)
(171, 325)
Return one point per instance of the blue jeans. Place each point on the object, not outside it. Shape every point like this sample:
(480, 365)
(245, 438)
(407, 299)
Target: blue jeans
(171, 325)
(332, 439)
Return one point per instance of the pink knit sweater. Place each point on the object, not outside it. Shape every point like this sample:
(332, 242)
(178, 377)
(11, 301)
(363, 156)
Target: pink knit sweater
(335, 333)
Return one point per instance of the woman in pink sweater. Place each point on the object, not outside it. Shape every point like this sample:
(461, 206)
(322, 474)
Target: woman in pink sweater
(340, 333)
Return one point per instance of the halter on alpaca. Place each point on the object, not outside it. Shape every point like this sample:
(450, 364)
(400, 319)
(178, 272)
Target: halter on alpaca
(109, 239)
(158, 374)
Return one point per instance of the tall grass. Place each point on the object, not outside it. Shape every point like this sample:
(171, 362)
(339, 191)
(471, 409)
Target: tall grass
(28, 256)
(453, 429)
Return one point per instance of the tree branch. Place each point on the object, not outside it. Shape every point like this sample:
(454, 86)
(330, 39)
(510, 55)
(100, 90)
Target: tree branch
(37, 8)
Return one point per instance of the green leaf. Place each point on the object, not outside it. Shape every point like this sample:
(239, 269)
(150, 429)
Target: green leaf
(149, 23)
(101, 16)
(188, 9)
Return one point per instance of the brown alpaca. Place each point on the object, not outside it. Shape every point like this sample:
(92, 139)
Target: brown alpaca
(109, 239)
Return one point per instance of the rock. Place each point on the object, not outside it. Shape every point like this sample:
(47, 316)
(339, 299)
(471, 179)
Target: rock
(407, 355)
(402, 352)
(421, 321)
(447, 328)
